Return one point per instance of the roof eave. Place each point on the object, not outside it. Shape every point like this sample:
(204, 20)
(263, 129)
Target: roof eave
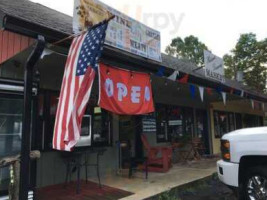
(30, 29)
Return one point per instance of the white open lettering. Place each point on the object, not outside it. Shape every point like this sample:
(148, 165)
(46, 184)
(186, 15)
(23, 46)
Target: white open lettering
(122, 91)
(109, 87)
(135, 95)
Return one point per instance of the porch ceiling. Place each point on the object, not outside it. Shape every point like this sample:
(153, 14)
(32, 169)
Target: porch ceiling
(51, 68)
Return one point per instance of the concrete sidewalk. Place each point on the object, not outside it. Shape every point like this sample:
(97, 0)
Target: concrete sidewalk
(179, 175)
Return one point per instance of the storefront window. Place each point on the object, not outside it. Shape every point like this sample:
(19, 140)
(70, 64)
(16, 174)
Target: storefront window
(101, 127)
(174, 123)
(220, 123)
(162, 127)
(231, 118)
(86, 125)
(96, 122)
(201, 127)
(202, 131)
(238, 120)
(252, 120)
(10, 133)
(188, 123)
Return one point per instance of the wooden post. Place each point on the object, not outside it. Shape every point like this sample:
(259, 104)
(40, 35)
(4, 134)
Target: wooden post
(14, 166)
(27, 118)
(14, 183)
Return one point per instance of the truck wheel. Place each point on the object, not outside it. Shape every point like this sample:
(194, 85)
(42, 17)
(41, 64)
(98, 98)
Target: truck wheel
(254, 186)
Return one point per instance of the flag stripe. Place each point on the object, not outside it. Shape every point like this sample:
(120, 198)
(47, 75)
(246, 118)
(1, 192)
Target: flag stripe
(62, 128)
(72, 89)
(60, 125)
(76, 86)
(67, 98)
(55, 138)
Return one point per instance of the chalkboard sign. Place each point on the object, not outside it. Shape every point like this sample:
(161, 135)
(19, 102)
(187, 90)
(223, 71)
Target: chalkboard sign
(149, 123)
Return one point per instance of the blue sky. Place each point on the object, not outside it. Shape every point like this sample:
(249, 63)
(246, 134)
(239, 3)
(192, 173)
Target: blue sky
(217, 23)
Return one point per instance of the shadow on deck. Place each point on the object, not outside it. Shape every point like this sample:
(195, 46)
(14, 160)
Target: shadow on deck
(89, 191)
(136, 188)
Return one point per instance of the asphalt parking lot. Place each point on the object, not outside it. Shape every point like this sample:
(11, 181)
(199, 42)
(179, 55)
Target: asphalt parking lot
(211, 189)
(208, 189)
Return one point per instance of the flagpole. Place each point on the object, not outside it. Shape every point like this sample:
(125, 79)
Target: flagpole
(67, 38)
(78, 34)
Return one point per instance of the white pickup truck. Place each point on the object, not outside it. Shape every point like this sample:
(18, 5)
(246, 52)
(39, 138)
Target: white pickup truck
(244, 162)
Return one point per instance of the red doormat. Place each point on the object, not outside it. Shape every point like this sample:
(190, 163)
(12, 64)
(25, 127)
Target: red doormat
(89, 191)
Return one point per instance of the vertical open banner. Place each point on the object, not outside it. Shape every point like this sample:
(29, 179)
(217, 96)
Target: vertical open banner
(125, 92)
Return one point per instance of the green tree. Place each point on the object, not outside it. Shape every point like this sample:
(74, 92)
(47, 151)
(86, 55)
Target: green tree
(189, 48)
(249, 56)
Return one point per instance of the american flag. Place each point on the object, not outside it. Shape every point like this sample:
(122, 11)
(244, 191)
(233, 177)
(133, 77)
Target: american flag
(80, 70)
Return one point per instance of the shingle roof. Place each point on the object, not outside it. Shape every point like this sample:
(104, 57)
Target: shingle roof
(52, 19)
(37, 14)
(189, 68)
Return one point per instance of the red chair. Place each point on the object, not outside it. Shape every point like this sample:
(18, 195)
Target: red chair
(158, 158)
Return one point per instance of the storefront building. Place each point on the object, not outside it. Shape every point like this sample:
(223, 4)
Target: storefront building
(179, 116)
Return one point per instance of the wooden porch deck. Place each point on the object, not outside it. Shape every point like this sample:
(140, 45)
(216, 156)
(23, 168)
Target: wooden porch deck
(89, 191)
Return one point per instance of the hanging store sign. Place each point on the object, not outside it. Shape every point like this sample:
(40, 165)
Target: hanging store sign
(124, 92)
(123, 32)
(214, 66)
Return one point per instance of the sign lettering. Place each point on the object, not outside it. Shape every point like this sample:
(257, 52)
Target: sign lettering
(124, 92)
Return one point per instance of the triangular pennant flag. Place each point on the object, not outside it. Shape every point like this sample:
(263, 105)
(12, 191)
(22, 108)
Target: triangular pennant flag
(252, 103)
(242, 93)
(192, 91)
(174, 75)
(209, 91)
(224, 97)
(46, 52)
(219, 89)
(161, 71)
(184, 79)
(201, 92)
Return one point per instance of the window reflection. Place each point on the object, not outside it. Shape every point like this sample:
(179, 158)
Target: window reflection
(174, 123)
(10, 133)
(220, 123)
(101, 126)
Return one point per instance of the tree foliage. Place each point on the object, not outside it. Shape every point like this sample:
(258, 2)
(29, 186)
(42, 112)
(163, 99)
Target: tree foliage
(249, 56)
(188, 48)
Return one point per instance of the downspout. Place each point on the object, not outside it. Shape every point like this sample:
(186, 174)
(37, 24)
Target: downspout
(26, 126)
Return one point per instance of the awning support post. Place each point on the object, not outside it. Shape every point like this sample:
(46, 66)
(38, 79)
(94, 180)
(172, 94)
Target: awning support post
(26, 123)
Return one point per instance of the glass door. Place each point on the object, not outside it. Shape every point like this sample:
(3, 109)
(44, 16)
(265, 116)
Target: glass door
(11, 108)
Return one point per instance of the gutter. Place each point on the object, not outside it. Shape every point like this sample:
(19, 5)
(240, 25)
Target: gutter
(23, 27)
(26, 123)
(32, 30)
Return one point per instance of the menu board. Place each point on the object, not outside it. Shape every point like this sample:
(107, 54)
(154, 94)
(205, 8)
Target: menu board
(123, 32)
(149, 124)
